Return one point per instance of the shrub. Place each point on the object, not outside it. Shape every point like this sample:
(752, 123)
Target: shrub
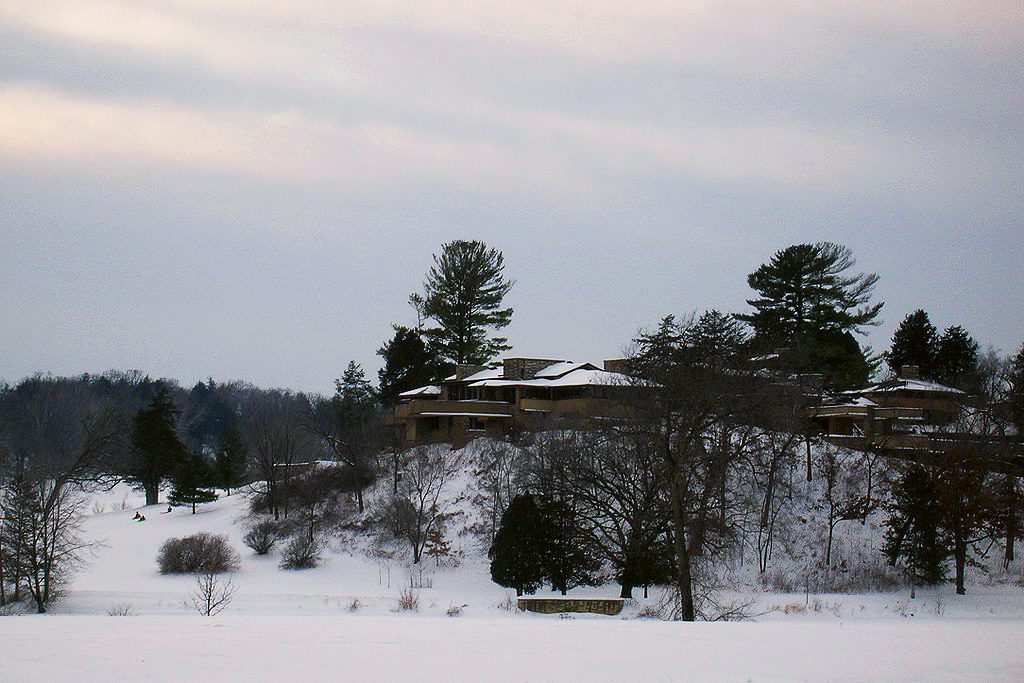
(201, 552)
(262, 536)
(409, 600)
(122, 609)
(301, 553)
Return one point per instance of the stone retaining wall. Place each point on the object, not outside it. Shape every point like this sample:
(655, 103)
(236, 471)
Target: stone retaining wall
(609, 606)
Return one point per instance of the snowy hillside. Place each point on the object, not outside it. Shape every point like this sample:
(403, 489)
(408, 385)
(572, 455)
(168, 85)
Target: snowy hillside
(342, 620)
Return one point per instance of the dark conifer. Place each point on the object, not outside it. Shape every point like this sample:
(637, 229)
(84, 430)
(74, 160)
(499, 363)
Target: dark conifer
(518, 552)
(913, 343)
(191, 482)
(156, 448)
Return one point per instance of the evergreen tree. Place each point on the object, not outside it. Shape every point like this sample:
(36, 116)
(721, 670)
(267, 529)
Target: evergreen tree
(567, 559)
(518, 552)
(409, 363)
(349, 424)
(956, 359)
(717, 337)
(208, 415)
(913, 343)
(913, 528)
(463, 294)
(231, 460)
(156, 448)
(191, 482)
(809, 305)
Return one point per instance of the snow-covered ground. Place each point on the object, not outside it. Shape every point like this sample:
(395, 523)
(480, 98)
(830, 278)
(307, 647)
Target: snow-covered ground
(341, 621)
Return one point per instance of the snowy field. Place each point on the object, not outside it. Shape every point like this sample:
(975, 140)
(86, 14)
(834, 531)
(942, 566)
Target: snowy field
(341, 621)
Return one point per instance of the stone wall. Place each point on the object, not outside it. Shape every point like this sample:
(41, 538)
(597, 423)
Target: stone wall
(609, 606)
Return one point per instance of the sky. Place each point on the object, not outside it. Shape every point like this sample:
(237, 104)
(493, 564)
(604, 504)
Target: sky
(251, 190)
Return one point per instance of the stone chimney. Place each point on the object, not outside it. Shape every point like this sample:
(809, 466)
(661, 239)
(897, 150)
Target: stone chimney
(525, 368)
(615, 365)
(463, 371)
(910, 372)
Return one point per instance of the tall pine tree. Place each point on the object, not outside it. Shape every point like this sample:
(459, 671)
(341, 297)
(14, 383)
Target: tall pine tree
(809, 305)
(956, 359)
(913, 343)
(463, 294)
(156, 448)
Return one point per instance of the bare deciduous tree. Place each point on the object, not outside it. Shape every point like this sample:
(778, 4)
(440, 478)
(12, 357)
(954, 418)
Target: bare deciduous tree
(426, 494)
(211, 594)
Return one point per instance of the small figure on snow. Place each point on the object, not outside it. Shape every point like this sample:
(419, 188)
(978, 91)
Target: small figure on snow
(137, 515)
(166, 511)
(142, 518)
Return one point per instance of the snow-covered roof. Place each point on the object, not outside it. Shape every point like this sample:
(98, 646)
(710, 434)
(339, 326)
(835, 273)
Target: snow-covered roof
(559, 369)
(486, 373)
(429, 390)
(579, 377)
(914, 385)
(904, 385)
(584, 377)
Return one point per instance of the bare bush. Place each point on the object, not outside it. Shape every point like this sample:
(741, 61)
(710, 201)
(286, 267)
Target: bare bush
(301, 553)
(211, 595)
(207, 553)
(262, 536)
(409, 600)
(122, 609)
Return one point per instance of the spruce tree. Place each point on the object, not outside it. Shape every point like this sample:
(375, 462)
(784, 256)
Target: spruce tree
(913, 343)
(191, 482)
(156, 448)
(956, 359)
(232, 459)
(463, 293)
(518, 552)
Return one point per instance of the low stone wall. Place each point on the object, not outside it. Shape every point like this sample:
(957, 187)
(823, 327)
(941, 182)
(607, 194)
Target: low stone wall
(609, 606)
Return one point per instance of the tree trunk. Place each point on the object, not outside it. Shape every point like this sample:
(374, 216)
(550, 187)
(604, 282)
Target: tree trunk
(1012, 527)
(808, 442)
(359, 499)
(152, 490)
(960, 559)
(684, 578)
(627, 590)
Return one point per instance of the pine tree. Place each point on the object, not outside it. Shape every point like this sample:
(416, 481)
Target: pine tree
(518, 552)
(809, 305)
(157, 450)
(956, 359)
(913, 343)
(913, 528)
(232, 459)
(409, 363)
(191, 482)
(463, 294)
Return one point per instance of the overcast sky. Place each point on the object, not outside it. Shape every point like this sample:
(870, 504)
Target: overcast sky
(251, 189)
